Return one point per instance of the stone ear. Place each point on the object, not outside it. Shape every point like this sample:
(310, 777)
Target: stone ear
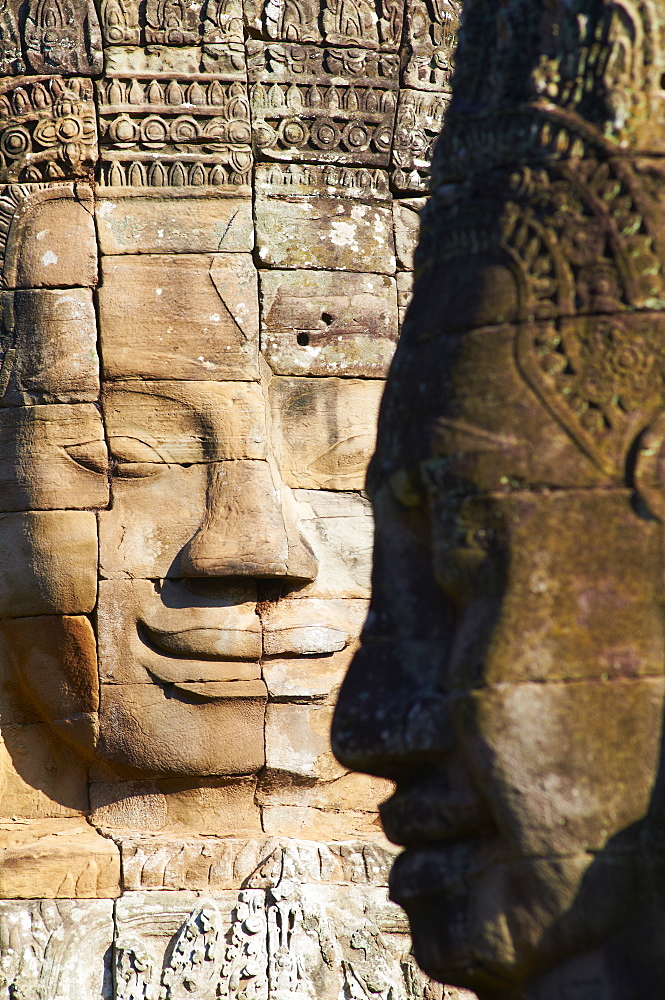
(649, 469)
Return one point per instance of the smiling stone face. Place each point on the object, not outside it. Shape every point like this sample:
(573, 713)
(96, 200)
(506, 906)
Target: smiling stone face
(204, 264)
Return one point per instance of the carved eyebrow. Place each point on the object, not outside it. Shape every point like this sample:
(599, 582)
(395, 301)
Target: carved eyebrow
(482, 438)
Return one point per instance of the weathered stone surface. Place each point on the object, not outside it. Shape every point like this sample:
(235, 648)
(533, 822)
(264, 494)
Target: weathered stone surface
(210, 728)
(152, 518)
(213, 863)
(176, 635)
(48, 129)
(319, 824)
(195, 307)
(51, 240)
(429, 43)
(190, 224)
(41, 778)
(406, 215)
(153, 60)
(64, 859)
(198, 124)
(54, 662)
(206, 599)
(316, 21)
(315, 230)
(175, 808)
(419, 119)
(323, 430)
(404, 281)
(183, 422)
(298, 741)
(339, 529)
(48, 563)
(61, 363)
(316, 678)
(58, 948)
(327, 323)
(46, 454)
(222, 519)
(311, 627)
(322, 105)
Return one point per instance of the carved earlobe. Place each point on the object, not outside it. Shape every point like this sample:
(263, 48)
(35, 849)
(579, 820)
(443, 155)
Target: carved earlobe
(649, 473)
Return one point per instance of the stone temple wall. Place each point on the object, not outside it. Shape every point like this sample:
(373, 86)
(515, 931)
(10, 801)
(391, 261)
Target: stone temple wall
(207, 220)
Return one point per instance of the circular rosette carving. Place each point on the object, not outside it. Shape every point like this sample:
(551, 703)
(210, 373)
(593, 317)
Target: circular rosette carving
(356, 137)
(382, 139)
(293, 134)
(15, 142)
(185, 129)
(239, 132)
(154, 131)
(325, 134)
(264, 135)
(123, 131)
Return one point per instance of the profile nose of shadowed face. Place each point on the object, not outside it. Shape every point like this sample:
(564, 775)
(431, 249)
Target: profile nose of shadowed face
(249, 529)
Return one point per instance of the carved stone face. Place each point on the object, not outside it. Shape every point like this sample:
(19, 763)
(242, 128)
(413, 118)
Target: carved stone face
(511, 673)
(200, 304)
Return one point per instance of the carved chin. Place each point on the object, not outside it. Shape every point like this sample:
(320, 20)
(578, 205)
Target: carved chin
(157, 729)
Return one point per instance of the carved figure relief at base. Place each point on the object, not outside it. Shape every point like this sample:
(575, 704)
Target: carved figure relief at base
(207, 219)
(511, 676)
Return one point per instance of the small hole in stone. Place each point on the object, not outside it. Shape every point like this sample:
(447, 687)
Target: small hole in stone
(303, 339)
(327, 318)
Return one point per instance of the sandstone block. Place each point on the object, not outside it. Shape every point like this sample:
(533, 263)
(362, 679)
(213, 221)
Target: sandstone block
(154, 60)
(59, 859)
(199, 316)
(315, 677)
(186, 223)
(55, 334)
(298, 741)
(51, 241)
(328, 323)
(172, 729)
(328, 233)
(311, 626)
(152, 518)
(404, 293)
(54, 660)
(58, 948)
(40, 777)
(323, 430)
(176, 809)
(406, 216)
(210, 864)
(46, 454)
(175, 634)
(48, 563)
(346, 792)
(340, 530)
(319, 824)
(184, 422)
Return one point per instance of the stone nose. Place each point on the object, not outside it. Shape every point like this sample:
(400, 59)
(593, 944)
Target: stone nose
(249, 527)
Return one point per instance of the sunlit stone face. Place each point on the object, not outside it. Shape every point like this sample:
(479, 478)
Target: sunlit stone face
(511, 674)
(208, 219)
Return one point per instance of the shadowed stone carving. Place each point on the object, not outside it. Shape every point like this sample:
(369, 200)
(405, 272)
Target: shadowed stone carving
(511, 677)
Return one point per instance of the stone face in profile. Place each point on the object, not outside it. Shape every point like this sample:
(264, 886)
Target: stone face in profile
(511, 677)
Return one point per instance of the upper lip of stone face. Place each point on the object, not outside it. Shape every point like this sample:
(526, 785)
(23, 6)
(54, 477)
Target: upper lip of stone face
(201, 643)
